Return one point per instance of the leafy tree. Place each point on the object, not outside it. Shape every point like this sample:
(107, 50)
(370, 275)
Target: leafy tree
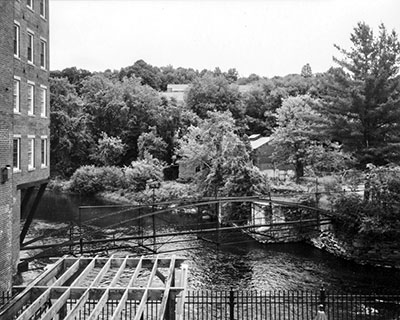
(147, 74)
(108, 151)
(153, 144)
(363, 96)
(214, 93)
(299, 139)
(306, 71)
(221, 157)
(69, 132)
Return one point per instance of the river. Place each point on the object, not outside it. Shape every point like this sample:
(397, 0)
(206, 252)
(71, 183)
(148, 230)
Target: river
(246, 265)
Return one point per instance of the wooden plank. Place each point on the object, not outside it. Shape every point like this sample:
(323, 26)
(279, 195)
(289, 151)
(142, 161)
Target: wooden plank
(119, 272)
(118, 311)
(55, 308)
(15, 305)
(67, 274)
(78, 306)
(181, 301)
(84, 273)
(167, 289)
(142, 305)
(101, 274)
(21, 299)
(49, 274)
(99, 306)
(35, 306)
(136, 273)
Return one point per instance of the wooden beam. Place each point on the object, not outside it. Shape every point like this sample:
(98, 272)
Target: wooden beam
(119, 272)
(31, 213)
(168, 283)
(78, 306)
(136, 273)
(55, 308)
(118, 311)
(143, 301)
(84, 273)
(17, 303)
(181, 301)
(99, 306)
(35, 306)
(67, 274)
(33, 184)
(101, 274)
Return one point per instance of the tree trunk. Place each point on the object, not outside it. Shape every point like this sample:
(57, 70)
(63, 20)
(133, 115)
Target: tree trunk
(299, 170)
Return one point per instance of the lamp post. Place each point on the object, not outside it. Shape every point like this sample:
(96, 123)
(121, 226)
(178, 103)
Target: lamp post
(153, 185)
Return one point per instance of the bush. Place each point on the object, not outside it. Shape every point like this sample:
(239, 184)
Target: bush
(90, 179)
(378, 214)
(139, 172)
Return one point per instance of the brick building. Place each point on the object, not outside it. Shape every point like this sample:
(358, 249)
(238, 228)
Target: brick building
(24, 122)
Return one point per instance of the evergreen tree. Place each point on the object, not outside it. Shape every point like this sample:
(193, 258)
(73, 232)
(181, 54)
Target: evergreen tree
(364, 96)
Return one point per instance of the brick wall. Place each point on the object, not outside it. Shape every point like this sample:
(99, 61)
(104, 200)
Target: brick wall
(6, 96)
(23, 124)
(26, 125)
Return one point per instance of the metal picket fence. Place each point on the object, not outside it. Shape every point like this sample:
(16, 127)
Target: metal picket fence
(265, 305)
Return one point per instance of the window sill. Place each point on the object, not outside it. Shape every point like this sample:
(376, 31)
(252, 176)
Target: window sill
(17, 57)
(30, 8)
(17, 112)
(15, 170)
(43, 68)
(31, 63)
(31, 169)
(43, 166)
(43, 18)
(31, 115)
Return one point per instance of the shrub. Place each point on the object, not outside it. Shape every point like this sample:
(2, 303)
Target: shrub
(139, 172)
(91, 179)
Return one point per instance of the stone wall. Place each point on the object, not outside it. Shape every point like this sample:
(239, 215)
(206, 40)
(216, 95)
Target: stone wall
(360, 250)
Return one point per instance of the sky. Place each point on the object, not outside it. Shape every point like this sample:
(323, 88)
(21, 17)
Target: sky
(265, 37)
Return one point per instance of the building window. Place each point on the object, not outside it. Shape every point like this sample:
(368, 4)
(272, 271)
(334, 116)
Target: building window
(43, 99)
(31, 153)
(16, 40)
(30, 47)
(29, 4)
(42, 8)
(31, 98)
(43, 53)
(17, 85)
(43, 152)
(16, 154)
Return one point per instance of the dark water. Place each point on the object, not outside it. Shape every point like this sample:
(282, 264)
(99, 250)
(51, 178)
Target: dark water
(246, 265)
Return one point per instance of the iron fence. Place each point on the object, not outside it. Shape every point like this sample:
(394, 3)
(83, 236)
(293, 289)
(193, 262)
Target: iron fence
(290, 305)
(254, 305)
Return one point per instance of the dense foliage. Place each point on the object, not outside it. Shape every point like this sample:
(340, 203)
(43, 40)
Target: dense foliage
(376, 214)
(344, 118)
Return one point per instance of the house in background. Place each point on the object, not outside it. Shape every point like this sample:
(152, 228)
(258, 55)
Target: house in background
(176, 91)
(262, 150)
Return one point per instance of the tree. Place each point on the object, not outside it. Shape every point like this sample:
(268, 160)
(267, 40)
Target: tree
(151, 143)
(299, 137)
(363, 96)
(109, 151)
(214, 93)
(306, 71)
(220, 156)
(69, 132)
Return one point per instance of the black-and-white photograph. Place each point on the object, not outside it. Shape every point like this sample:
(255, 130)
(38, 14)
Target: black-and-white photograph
(199, 159)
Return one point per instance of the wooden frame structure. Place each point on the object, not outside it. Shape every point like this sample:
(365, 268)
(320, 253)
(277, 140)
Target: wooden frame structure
(103, 288)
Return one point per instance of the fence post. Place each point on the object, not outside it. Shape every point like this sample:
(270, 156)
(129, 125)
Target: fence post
(231, 304)
(322, 297)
